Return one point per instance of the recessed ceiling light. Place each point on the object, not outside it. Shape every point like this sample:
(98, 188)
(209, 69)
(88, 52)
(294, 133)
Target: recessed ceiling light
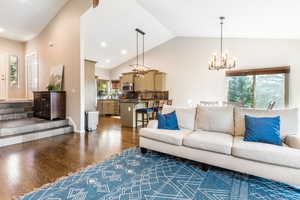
(107, 61)
(124, 52)
(2, 30)
(103, 44)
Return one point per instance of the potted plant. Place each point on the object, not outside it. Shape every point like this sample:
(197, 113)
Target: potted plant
(52, 87)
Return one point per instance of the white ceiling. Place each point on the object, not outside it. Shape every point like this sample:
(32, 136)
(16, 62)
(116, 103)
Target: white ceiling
(114, 22)
(245, 18)
(23, 19)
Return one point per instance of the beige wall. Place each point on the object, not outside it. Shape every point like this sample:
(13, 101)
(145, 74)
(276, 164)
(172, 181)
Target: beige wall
(64, 32)
(10, 47)
(90, 86)
(185, 60)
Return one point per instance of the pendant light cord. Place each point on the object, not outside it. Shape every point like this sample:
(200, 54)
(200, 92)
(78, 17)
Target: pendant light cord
(222, 18)
(143, 50)
(137, 49)
(138, 33)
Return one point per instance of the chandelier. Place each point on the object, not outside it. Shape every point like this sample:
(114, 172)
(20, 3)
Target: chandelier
(224, 61)
(140, 68)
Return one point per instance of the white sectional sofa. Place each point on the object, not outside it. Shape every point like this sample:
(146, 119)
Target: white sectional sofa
(214, 136)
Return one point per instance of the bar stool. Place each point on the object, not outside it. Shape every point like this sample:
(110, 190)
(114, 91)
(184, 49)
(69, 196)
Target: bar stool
(145, 114)
(159, 107)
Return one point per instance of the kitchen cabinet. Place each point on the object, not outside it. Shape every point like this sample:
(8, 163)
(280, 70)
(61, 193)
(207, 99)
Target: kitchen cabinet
(152, 80)
(160, 81)
(139, 84)
(115, 84)
(108, 107)
(127, 78)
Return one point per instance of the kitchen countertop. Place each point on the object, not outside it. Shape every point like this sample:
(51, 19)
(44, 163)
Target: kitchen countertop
(133, 101)
(108, 99)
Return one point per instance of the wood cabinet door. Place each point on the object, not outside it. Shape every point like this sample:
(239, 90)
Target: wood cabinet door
(160, 82)
(111, 108)
(127, 78)
(149, 81)
(139, 84)
(116, 108)
(105, 108)
(100, 107)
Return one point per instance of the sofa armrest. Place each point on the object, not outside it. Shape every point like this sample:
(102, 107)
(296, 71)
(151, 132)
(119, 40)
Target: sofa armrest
(293, 141)
(153, 124)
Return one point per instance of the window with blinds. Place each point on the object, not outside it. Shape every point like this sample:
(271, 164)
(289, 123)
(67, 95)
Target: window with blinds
(258, 88)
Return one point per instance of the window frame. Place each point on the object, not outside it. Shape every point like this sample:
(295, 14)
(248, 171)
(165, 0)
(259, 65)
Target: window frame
(263, 71)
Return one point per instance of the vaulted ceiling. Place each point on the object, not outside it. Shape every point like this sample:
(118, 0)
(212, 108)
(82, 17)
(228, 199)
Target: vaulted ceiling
(109, 29)
(24, 19)
(277, 19)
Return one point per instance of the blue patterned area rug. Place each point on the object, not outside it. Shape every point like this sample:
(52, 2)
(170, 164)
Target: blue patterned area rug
(155, 176)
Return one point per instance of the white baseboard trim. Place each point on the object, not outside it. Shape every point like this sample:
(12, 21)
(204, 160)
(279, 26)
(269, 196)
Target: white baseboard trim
(79, 131)
(72, 123)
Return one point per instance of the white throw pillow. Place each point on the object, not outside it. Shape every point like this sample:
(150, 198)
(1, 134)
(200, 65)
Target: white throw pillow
(288, 120)
(186, 116)
(216, 118)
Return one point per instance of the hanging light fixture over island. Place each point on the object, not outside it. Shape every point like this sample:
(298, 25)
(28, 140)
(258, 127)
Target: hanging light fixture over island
(140, 68)
(224, 61)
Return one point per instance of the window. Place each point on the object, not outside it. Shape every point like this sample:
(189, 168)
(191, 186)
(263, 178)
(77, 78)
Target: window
(257, 88)
(103, 88)
(32, 73)
(13, 72)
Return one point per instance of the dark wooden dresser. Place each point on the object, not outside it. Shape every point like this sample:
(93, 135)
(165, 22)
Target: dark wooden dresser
(50, 104)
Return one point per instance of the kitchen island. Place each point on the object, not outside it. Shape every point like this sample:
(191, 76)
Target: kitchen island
(128, 109)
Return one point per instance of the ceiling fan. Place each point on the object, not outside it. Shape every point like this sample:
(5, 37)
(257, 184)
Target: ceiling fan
(95, 3)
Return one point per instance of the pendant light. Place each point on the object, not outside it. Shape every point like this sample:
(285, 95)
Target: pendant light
(224, 61)
(140, 68)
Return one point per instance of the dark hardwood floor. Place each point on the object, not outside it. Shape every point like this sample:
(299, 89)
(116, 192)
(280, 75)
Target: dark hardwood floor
(27, 166)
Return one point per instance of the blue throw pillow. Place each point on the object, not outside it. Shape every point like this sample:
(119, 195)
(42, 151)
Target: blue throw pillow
(265, 130)
(167, 121)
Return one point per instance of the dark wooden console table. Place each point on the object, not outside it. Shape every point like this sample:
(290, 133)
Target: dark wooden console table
(50, 104)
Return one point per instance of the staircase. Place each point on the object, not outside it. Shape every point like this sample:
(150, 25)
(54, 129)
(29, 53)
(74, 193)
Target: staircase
(17, 124)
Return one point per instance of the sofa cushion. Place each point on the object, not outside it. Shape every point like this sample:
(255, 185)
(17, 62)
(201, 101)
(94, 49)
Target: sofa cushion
(186, 116)
(153, 124)
(288, 120)
(209, 141)
(167, 121)
(216, 118)
(267, 153)
(174, 137)
(263, 129)
(293, 141)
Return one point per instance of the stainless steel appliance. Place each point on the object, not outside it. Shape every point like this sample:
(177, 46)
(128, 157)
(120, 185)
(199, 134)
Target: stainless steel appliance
(128, 87)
